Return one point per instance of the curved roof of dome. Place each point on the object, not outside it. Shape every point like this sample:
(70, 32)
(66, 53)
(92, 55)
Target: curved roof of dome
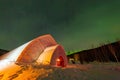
(31, 50)
(51, 54)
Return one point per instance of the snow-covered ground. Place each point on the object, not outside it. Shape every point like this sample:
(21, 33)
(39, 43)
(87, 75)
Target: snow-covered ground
(93, 71)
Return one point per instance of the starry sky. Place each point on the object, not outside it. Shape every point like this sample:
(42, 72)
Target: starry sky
(76, 24)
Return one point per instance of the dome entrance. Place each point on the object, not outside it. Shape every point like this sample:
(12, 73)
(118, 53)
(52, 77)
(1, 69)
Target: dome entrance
(60, 61)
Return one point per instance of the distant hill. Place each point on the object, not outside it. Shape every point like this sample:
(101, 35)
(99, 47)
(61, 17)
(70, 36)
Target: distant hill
(3, 51)
(104, 53)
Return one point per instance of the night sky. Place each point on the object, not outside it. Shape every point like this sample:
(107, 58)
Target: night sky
(76, 24)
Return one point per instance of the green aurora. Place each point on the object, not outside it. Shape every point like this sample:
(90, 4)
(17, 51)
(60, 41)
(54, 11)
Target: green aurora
(76, 24)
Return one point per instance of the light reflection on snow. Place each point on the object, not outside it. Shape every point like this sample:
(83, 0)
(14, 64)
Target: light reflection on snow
(11, 57)
(5, 63)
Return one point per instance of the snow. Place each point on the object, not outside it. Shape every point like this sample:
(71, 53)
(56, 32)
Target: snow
(109, 71)
(5, 64)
